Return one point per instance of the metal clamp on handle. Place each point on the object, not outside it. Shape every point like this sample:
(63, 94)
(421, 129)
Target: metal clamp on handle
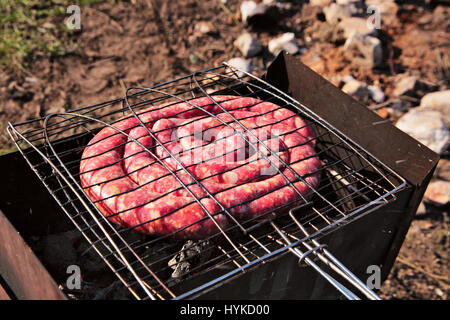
(302, 258)
(325, 256)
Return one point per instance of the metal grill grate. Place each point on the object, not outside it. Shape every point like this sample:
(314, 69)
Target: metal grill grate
(352, 184)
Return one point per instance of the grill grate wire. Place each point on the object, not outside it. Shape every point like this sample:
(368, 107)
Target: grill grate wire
(353, 183)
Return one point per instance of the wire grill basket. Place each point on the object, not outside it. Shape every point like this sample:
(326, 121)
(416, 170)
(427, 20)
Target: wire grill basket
(353, 183)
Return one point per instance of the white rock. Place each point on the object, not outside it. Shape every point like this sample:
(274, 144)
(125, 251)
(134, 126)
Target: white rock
(351, 24)
(251, 8)
(439, 292)
(369, 47)
(347, 78)
(438, 101)
(248, 45)
(285, 42)
(428, 127)
(204, 27)
(320, 3)
(438, 98)
(346, 2)
(31, 79)
(438, 192)
(405, 86)
(376, 94)
(335, 13)
(241, 64)
(356, 89)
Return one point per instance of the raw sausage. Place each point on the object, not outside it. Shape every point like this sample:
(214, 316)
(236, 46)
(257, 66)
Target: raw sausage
(151, 185)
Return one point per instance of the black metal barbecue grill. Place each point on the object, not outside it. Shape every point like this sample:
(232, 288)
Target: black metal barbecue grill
(360, 211)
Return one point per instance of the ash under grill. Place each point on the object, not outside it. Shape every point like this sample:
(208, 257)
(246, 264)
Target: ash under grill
(353, 184)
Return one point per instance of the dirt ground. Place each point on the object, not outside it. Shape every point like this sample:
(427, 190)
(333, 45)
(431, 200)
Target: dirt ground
(147, 42)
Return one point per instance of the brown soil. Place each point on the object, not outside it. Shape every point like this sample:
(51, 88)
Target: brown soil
(148, 42)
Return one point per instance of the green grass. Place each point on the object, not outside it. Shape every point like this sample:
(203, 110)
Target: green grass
(7, 150)
(34, 28)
